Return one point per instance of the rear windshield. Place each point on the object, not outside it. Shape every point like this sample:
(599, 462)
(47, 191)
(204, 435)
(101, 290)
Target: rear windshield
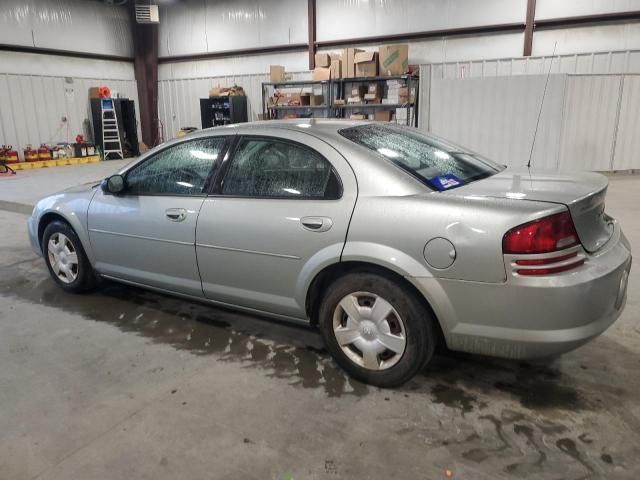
(434, 162)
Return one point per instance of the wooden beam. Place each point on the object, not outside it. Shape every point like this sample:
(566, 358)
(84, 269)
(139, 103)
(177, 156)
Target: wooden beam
(528, 28)
(311, 10)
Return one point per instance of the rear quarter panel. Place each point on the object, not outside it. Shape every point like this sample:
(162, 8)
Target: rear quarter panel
(393, 231)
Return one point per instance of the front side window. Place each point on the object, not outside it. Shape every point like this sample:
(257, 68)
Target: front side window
(178, 170)
(435, 162)
(266, 167)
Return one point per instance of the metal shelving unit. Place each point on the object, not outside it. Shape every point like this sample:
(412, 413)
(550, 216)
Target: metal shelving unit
(332, 89)
(271, 111)
(411, 81)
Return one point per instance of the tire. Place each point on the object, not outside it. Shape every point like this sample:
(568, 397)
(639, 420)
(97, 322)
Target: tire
(407, 321)
(72, 271)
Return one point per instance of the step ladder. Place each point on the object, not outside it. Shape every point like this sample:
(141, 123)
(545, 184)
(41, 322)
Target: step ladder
(111, 144)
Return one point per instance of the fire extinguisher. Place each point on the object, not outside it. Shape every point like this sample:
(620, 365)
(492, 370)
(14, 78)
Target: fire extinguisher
(30, 155)
(44, 153)
(11, 155)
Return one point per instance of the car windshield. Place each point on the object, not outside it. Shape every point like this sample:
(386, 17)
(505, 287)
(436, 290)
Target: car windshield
(435, 162)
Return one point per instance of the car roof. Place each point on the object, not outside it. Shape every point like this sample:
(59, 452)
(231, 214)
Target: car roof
(321, 127)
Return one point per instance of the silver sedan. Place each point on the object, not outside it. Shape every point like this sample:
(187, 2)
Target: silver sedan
(391, 241)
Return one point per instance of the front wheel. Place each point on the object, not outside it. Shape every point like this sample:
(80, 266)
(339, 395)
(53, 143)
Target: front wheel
(66, 260)
(376, 329)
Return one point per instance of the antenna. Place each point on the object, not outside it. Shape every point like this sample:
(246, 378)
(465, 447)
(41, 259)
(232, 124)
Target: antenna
(544, 93)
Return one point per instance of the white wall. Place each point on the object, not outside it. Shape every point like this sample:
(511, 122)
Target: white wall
(588, 122)
(37, 91)
(77, 25)
(198, 26)
(344, 19)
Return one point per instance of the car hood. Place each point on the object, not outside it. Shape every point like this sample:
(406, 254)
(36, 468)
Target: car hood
(582, 193)
(83, 187)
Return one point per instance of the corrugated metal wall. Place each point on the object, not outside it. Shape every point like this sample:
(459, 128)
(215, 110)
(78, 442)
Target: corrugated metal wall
(32, 107)
(77, 25)
(588, 122)
(179, 99)
(627, 61)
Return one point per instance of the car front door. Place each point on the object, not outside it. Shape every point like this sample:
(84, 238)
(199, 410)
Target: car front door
(280, 211)
(147, 234)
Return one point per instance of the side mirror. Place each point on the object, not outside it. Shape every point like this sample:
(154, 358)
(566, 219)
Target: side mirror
(115, 184)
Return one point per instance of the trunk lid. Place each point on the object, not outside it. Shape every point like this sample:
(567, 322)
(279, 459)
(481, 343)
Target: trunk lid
(583, 194)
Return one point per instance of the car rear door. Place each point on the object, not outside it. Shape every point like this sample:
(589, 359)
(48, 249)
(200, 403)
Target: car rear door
(280, 212)
(147, 234)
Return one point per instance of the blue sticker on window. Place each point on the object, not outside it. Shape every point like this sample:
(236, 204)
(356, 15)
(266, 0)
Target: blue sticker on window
(443, 182)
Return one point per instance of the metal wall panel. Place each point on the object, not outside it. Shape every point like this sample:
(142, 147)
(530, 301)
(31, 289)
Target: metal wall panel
(198, 26)
(566, 8)
(179, 99)
(237, 65)
(339, 19)
(591, 110)
(497, 116)
(627, 147)
(593, 38)
(77, 25)
(33, 106)
(627, 61)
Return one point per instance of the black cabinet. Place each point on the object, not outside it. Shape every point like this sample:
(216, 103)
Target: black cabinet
(127, 124)
(216, 111)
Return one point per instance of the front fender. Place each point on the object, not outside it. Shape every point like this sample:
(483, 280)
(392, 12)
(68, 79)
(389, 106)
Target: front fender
(71, 207)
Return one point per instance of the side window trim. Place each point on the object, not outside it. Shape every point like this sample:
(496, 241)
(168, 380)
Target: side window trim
(216, 189)
(212, 171)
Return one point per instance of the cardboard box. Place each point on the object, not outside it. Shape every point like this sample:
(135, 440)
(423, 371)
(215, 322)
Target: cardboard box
(383, 116)
(336, 68)
(348, 62)
(339, 101)
(276, 73)
(366, 64)
(322, 73)
(358, 116)
(94, 92)
(316, 100)
(305, 99)
(375, 90)
(358, 90)
(393, 59)
(355, 100)
(323, 60)
(372, 98)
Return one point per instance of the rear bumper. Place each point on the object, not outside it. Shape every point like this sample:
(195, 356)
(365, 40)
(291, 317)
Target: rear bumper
(534, 317)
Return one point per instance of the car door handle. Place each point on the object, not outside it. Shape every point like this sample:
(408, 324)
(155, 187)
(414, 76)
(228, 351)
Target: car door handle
(176, 214)
(316, 224)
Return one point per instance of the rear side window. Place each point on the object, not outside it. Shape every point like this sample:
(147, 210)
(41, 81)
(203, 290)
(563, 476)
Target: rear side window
(273, 168)
(437, 164)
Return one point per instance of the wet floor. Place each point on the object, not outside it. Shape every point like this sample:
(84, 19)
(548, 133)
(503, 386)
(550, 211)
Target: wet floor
(527, 418)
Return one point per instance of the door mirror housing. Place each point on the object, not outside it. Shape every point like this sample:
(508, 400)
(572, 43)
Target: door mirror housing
(115, 184)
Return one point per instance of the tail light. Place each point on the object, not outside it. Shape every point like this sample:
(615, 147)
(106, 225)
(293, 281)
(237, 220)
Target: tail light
(546, 235)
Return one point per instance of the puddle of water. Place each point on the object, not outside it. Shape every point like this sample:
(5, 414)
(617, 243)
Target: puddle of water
(285, 351)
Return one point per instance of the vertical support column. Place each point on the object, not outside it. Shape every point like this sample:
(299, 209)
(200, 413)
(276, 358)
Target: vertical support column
(528, 28)
(311, 10)
(145, 51)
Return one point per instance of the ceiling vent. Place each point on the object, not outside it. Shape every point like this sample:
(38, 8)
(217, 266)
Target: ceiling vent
(147, 14)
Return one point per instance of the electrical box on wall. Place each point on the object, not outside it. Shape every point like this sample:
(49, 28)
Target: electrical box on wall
(147, 13)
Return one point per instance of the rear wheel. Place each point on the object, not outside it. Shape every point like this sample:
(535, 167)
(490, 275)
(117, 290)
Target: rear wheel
(66, 260)
(376, 329)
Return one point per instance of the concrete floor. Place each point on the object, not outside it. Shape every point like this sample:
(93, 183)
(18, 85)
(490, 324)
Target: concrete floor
(125, 383)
